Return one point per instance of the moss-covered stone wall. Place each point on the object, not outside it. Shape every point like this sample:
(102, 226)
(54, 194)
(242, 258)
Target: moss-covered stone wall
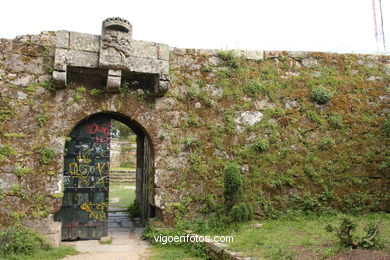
(308, 130)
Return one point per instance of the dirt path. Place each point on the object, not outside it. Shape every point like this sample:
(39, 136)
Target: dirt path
(126, 244)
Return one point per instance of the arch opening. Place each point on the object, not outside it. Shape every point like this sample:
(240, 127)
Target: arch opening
(88, 208)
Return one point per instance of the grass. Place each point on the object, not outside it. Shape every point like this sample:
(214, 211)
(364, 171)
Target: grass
(51, 254)
(126, 196)
(279, 239)
(170, 253)
(121, 169)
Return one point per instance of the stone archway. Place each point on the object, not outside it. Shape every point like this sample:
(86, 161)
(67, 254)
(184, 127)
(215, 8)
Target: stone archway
(84, 210)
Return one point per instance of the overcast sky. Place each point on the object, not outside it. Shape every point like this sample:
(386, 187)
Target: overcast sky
(308, 25)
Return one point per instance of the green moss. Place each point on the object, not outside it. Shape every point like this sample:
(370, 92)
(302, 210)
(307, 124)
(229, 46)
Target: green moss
(96, 92)
(15, 135)
(46, 155)
(42, 119)
(23, 171)
(31, 88)
(335, 121)
(312, 115)
(57, 195)
(254, 88)
(326, 143)
(386, 125)
(14, 190)
(51, 173)
(48, 84)
(260, 145)
(6, 151)
(6, 114)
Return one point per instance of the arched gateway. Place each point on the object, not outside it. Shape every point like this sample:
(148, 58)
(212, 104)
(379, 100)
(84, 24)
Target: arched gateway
(120, 64)
(84, 210)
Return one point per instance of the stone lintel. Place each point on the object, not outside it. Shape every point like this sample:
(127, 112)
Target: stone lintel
(114, 51)
(84, 42)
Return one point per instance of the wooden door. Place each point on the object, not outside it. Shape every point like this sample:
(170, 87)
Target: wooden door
(84, 211)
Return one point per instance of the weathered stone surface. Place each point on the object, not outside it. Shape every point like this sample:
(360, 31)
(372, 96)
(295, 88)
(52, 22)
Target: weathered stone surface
(247, 118)
(60, 61)
(6, 181)
(310, 62)
(289, 104)
(144, 49)
(84, 42)
(62, 40)
(252, 55)
(264, 104)
(79, 58)
(19, 63)
(23, 80)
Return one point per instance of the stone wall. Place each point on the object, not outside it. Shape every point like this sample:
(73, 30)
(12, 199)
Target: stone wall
(122, 151)
(252, 108)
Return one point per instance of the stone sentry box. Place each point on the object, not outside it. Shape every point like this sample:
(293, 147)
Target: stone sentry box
(124, 61)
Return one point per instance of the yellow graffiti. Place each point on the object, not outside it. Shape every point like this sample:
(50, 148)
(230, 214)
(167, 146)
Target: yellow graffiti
(82, 169)
(84, 157)
(101, 167)
(96, 211)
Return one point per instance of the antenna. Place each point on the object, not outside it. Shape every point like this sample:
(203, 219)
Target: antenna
(383, 31)
(379, 34)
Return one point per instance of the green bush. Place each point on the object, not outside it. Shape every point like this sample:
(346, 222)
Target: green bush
(321, 95)
(233, 181)
(260, 145)
(241, 212)
(133, 210)
(21, 240)
(370, 239)
(325, 143)
(254, 87)
(335, 121)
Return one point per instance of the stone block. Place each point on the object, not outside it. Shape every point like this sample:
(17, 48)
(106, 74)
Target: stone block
(62, 39)
(163, 52)
(163, 67)
(42, 225)
(60, 59)
(20, 63)
(7, 180)
(23, 80)
(54, 239)
(253, 55)
(84, 42)
(86, 59)
(144, 49)
(55, 227)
